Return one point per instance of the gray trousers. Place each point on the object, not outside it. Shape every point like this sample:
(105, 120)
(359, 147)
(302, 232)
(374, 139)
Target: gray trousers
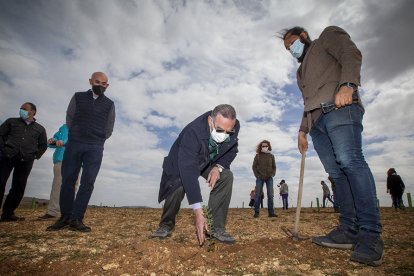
(218, 203)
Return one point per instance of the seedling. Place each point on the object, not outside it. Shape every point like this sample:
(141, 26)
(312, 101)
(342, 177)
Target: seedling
(210, 231)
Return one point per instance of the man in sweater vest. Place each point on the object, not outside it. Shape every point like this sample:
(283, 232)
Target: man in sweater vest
(90, 119)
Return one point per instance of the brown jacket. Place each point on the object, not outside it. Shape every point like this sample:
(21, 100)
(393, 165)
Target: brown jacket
(264, 166)
(331, 60)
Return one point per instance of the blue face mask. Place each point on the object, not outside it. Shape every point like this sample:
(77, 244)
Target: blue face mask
(24, 114)
(296, 49)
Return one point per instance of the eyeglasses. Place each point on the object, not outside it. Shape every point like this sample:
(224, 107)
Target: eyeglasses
(220, 130)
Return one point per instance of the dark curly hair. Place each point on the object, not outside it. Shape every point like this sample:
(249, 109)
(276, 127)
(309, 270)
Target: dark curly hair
(259, 146)
(391, 171)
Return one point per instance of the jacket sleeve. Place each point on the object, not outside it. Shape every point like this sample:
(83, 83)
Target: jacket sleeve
(110, 123)
(42, 144)
(56, 136)
(304, 123)
(65, 135)
(70, 112)
(338, 43)
(188, 154)
(401, 183)
(388, 183)
(254, 166)
(4, 131)
(273, 166)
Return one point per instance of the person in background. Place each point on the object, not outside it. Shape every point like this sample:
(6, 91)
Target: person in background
(90, 118)
(264, 169)
(326, 194)
(333, 197)
(58, 142)
(328, 78)
(205, 147)
(22, 140)
(262, 196)
(284, 193)
(395, 187)
(252, 197)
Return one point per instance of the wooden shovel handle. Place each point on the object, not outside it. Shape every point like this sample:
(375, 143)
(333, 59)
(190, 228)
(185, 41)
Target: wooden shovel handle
(300, 191)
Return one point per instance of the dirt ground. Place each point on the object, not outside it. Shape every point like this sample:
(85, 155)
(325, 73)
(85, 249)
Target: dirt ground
(119, 245)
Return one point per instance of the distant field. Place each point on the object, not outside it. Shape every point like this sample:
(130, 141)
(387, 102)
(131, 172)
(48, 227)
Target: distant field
(119, 245)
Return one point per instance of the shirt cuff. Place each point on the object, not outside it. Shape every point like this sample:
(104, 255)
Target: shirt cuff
(196, 206)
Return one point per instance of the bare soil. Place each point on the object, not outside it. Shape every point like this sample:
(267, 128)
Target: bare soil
(119, 245)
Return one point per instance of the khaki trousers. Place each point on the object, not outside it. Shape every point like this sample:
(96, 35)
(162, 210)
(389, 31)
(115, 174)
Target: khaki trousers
(53, 208)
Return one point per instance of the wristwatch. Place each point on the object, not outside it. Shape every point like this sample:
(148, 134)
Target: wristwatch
(220, 168)
(351, 85)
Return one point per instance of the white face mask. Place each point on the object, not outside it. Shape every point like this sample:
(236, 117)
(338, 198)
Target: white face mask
(296, 49)
(219, 137)
(265, 150)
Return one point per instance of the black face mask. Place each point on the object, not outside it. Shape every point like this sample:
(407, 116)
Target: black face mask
(98, 90)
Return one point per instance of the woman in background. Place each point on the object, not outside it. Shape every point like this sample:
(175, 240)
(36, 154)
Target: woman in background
(395, 186)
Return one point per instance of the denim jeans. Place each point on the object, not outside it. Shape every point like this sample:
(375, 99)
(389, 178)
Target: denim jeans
(285, 201)
(269, 190)
(337, 139)
(89, 158)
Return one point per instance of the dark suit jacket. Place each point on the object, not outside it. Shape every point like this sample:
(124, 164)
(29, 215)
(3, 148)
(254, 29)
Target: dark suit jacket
(331, 60)
(189, 157)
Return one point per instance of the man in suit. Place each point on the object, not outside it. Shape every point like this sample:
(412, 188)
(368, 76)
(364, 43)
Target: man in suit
(205, 147)
(22, 140)
(328, 77)
(90, 119)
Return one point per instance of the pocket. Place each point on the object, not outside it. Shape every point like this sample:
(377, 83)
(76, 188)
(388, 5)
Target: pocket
(356, 113)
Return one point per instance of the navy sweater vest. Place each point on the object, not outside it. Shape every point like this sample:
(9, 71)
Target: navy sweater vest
(91, 118)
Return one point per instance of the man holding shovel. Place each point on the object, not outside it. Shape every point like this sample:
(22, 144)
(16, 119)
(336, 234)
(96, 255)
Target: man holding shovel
(328, 77)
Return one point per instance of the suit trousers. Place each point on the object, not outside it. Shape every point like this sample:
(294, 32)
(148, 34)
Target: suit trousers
(21, 170)
(219, 201)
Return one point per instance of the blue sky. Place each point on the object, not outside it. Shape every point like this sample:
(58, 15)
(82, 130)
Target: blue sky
(170, 61)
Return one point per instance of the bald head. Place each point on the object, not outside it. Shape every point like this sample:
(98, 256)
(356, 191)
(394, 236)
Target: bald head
(99, 79)
(99, 75)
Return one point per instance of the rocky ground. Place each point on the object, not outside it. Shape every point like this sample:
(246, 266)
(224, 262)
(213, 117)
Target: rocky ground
(119, 245)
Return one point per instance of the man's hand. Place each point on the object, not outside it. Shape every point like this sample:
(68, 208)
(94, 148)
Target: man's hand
(200, 224)
(60, 143)
(302, 142)
(213, 176)
(344, 96)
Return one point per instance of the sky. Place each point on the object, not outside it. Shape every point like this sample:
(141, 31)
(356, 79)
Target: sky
(170, 61)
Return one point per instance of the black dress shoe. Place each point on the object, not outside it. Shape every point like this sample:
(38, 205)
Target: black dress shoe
(11, 218)
(272, 215)
(77, 225)
(46, 216)
(61, 223)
